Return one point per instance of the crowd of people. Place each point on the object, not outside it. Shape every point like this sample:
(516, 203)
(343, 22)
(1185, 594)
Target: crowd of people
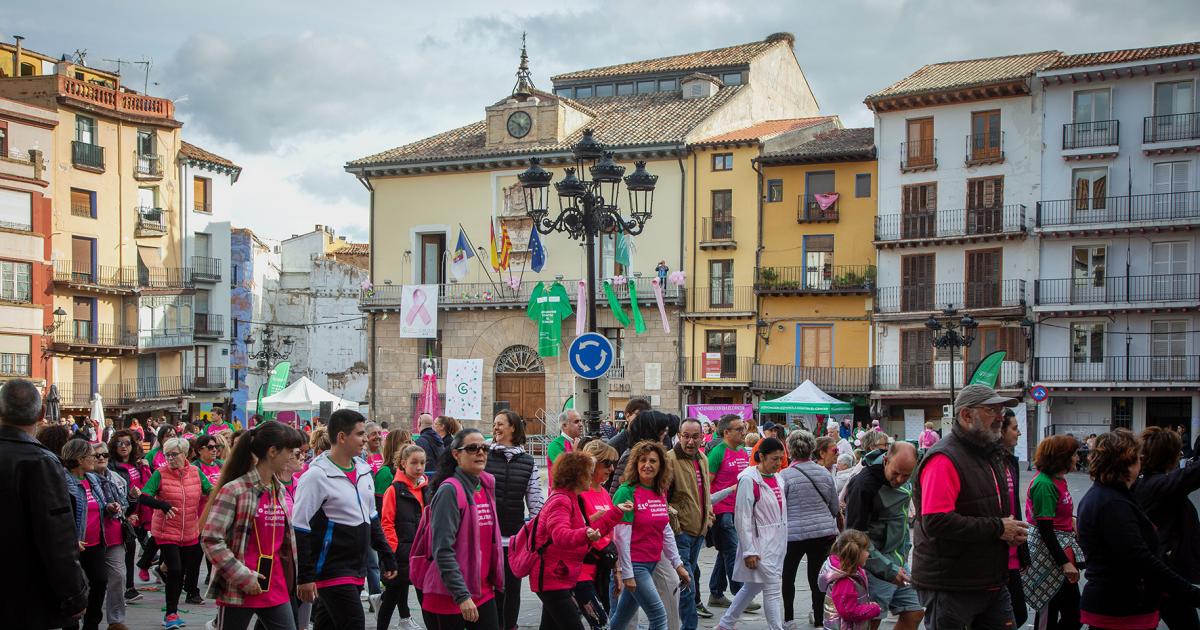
(292, 528)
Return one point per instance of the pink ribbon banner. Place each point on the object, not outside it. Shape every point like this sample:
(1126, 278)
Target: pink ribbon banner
(418, 309)
(658, 299)
(581, 309)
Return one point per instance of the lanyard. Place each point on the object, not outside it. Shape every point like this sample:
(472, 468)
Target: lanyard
(273, 506)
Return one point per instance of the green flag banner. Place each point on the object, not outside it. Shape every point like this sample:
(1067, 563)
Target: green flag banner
(639, 324)
(615, 305)
(275, 384)
(621, 250)
(988, 370)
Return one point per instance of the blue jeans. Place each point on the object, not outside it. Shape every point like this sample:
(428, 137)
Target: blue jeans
(373, 585)
(645, 596)
(689, 552)
(727, 541)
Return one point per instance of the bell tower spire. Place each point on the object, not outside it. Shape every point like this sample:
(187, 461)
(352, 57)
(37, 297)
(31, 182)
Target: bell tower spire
(524, 87)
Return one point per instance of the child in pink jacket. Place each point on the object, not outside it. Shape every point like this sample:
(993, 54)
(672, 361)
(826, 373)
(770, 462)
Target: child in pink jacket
(848, 604)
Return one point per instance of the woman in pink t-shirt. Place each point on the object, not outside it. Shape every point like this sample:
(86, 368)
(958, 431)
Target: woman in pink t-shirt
(592, 590)
(247, 532)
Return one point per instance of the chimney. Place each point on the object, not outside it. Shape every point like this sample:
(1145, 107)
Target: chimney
(17, 56)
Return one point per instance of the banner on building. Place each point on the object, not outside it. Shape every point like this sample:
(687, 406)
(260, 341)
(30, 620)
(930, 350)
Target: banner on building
(464, 388)
(418, 311)
(712, 365)
(713, 412)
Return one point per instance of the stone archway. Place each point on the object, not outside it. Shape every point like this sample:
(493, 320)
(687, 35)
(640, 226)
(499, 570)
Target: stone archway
(521, 384)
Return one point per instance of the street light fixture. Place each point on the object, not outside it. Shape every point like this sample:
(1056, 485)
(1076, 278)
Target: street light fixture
(588, 208)
(951, 333)
(273, 351)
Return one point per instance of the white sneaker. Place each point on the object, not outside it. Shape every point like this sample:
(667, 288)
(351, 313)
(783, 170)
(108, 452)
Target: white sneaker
(375, 599)
(408, 623)
(211, 624)
(363, 595)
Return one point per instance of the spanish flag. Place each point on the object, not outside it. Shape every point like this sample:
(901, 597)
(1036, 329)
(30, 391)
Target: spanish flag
(492, 247)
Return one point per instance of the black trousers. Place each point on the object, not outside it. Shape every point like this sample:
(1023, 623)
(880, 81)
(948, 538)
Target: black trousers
(1179, 615)
(1017, 592)
(508, 603)
(488, 619)
(1063, 609)
(559, 611)
(280, 617)
(178, 562)
(593, 605)
(130, 554)
(339, 608)
(816, 550)
(96, 572)
(395, 598)
(149, 550)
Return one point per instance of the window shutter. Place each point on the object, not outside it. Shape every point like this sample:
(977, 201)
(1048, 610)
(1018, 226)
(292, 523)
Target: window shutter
(1099, 192)
(931, 197)
(1016, 347)
(989, 193)
(1081, 193)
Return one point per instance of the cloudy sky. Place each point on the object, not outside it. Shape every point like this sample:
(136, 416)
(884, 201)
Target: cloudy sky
(292, 90)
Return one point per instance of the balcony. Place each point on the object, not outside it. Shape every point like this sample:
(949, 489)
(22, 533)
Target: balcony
(457, 296)
(844, 380)
(934, 376)
(922, 299)
(208, 379)
(717, 371)
(152, 387)
(809, 209)
(102, 278)
(616, 371)
(209, 325)
(147, 166)
(721, 301)
(165, 278)
(963, 225)
(717, 233)
(82, 210)
(205, 269)
(151, 221)
(93, 96)
(86, 155)
(1179, 371)
(26, 163)
(1091, 135)
(829, 280)
(166, 338)
(87, 338)
(79, 395)
(1099, 293)
(1098, 216)
(1171, 128)
(918, 155)
(984, 149)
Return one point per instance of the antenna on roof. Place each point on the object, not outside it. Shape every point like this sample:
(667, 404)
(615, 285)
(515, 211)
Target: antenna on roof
(81, 56)
(524, 87)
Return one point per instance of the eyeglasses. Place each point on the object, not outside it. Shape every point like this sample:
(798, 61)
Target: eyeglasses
(101, 455)
(213, 447)
(608, 462)
(473, 449)
(124, 443)
(173, 454)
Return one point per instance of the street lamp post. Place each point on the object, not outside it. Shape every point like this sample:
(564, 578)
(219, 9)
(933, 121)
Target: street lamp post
(952, 334)
(588, 208)
(274, 349)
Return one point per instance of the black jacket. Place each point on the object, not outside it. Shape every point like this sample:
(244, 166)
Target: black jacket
(408, 515)
(1164, 497)
(44, 584)
(1125, 573)
(1013, 465)
(431, 443)
(512, 485)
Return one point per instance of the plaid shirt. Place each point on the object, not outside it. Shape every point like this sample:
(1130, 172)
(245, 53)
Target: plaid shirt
(224, 533)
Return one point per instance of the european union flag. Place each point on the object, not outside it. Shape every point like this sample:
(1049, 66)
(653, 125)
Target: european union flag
(537, 253)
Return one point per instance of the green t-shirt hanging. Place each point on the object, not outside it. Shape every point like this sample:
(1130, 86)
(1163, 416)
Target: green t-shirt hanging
(548, 309)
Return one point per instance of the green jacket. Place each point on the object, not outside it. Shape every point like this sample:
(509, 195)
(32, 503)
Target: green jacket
(873, 506)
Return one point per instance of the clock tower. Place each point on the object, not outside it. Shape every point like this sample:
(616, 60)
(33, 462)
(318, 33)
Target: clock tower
(530, 116)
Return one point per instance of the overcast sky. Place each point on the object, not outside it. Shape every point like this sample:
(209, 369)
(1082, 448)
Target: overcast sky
(292, 90)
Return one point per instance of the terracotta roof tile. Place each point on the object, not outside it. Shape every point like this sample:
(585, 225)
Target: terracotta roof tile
(952, 75)
(766, 130)
(353, 249)
(620, 121)
(1124, 56)
(718, 58)
(836, 144)
(193, 152)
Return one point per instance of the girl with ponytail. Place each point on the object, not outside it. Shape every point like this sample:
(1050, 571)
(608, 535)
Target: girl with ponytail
(247, 532)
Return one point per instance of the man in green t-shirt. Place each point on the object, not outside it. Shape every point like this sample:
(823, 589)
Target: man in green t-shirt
(571, 425)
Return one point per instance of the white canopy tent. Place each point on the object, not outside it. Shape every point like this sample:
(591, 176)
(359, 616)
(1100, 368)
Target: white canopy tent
(303, 395)
(807, 399)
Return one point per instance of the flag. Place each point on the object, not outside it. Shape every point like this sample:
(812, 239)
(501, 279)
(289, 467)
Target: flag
(537, 253)
(492, 247)
(505, 246)
(621, 254)
(988, 370)
(462, 253)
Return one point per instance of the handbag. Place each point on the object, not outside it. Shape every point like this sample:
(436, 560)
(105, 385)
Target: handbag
(605, 557)
(1043, 577)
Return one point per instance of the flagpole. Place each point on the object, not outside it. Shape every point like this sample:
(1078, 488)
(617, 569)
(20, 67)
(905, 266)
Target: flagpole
(478, 256)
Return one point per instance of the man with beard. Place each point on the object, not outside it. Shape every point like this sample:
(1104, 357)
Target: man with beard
(964, 525)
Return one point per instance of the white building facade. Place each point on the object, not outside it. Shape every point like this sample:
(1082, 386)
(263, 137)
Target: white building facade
(1118, 293)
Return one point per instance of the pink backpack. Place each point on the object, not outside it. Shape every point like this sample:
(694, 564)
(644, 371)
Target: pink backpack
(523, 554)
(423, 572)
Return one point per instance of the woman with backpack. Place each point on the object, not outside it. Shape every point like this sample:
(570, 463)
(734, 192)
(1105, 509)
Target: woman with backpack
(592, 590)
(518, 492)
(564, 536)
(248, 534)
(459, 566)
(403, 502)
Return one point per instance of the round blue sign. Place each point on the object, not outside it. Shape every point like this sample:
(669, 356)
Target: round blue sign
(1039, 393)
(590, 355)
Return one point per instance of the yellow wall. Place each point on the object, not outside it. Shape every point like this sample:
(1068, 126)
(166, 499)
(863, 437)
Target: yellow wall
(37, 60)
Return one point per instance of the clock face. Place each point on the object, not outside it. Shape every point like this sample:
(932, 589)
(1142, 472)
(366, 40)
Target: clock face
(519, 124)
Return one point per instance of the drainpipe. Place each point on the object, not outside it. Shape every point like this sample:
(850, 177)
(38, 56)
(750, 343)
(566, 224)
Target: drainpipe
(17, 56)
(374, 368)
(695, 251)
(757, 261)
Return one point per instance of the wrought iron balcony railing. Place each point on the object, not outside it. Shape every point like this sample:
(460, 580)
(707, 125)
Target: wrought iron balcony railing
(1171, 127)
(1173, 206)
(814, 280)
(959, 222)
(831, 379)
(1101, 289)
(87, 154)
(1084, 135)
(931, 297)
(1122, 369)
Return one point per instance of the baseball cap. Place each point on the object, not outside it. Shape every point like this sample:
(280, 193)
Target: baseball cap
(977, 395)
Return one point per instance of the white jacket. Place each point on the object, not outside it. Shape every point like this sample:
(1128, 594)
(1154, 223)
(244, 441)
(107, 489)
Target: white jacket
(761, 527)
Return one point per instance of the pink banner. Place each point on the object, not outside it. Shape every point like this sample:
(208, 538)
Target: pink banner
(658, 298)
(825, 200)
(713, 412)
(581, 309)
(418, 309)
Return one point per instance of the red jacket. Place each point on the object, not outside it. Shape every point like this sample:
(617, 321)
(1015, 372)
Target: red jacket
(181, 488)
(561, 522)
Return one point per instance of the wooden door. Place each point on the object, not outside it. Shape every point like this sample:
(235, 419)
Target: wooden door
(916, 359)
(526, 395)
(916, 282)
(920, 142)
(918, 210)
(816, 346)
(81, 260)
(983, 278)
(81, 320)
(81, 385)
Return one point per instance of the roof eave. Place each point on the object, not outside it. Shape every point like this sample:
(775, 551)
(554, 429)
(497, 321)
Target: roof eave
(634, 75)
(867, 155)
(1113, 67)
(965, 93)
(504, 160)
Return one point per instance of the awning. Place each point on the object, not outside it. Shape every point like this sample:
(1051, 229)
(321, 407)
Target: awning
(177, 404)
(150, 256)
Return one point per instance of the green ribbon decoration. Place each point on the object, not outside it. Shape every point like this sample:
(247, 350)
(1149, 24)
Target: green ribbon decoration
(614, 305)
(639, 324)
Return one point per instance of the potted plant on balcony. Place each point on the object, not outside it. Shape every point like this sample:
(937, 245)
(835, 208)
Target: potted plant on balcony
(767, 277)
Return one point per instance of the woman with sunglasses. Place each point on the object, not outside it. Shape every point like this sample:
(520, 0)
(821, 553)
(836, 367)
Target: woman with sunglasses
(518, 491)
(117, 534)
(594, 579)
(175, 491)
(247, 533)
(208, 448)
(465, 541)
(125, 457)
(94, 511)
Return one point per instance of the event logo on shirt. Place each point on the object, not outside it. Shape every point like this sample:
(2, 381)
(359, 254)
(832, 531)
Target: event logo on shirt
(657, 507)
(485, 514)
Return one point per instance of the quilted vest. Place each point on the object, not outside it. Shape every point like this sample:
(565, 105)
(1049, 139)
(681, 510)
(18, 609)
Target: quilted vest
(181, 488)
(512, 481)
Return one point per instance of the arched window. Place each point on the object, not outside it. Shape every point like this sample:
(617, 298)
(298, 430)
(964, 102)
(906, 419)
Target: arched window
(519, 360)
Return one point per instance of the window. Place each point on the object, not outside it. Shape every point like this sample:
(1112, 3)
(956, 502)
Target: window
(202, 194)
(624, 89)
(145, 142)
(919, 145)
(564, 92)
(16, 209)
(83, 203)
(983, 278)
(1172, 181)
(616, 336)
(985, 135)
(604, 90)
(1170, 280)
(985, 200)
(15, 285)
(816, 346)
(720, 275)
(731, 78)
(85, 129)
(1174, 97)
(989, 339)
(27, 69)
(818, 261)
(916, 358)
(722, 161)
(1092, 106)
(774, 190)
(916, 282)
(1087, 272)
(1087, 342)
(862, 185)
(1090, 189)
(667, 85)
(4, 139)
(14, 355)
(1168, 347)
(583, 92)
(722, 215)
(724, 344)
(646, 87)
(918, 210)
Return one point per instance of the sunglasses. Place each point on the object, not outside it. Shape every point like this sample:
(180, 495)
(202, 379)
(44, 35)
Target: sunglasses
(213, 447)
(173, 454)
(101, 455)
(124, 443)
(473, 449)
(607, 462)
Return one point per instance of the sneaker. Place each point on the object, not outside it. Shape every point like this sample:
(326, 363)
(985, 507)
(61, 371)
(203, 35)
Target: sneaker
(132, 595)
(363, 596)
(117, 626)
(195, 600)
(144, 575)
(703, 612)
(375, 599)
(159, 574)
(791, 625)
(408, 623)
(812, 618)
(172, 621)
(718, 601)
(754, 607)
(211, 624)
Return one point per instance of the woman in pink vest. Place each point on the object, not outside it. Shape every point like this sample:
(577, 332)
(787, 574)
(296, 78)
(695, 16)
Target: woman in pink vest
(175, 491)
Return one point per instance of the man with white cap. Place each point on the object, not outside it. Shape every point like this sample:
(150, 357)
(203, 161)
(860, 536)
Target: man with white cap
(964, 527)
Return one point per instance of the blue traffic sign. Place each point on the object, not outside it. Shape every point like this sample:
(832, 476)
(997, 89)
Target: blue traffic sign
(590, 355)
(1039, 393)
